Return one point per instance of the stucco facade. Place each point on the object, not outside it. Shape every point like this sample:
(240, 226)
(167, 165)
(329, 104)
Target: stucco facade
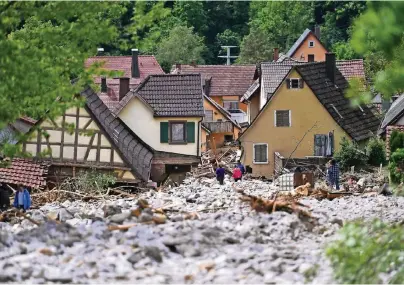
(139, 118)
(221, 99)
(318, 50)
(305, 111)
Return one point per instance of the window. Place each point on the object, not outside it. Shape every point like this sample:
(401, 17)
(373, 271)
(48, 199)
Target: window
(260, 153)
(311, 57)
(294, 83)
(311, 44)
(282, 118)
(230, 105)
(177, 132)
(228, 138)
(208, 116)
(324, 145)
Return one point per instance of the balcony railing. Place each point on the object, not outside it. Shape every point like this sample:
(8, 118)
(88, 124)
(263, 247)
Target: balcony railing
(219, 127)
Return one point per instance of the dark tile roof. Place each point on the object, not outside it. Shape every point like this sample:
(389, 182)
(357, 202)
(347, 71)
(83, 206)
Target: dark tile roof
(297, 43)
(25, 172)
(357, 123)
(225, 80)
(137, 154)
(170, 95)
(394, 113)
(147, 65)
(351, 68)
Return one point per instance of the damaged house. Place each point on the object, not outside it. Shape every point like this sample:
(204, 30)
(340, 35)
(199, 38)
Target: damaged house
(305, 115)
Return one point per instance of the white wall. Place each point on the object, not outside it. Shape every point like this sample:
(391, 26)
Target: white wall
(139, 117)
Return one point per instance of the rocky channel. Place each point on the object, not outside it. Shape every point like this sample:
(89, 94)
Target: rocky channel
(225, 241)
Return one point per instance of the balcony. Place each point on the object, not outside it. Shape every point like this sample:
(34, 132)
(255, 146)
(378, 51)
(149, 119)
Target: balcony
(219, 127)
(238, 115)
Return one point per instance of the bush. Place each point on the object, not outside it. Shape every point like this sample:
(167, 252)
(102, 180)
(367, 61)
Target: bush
(396, 140)
(376, 152)
(396, 166)
(350, 155)
(365, 250)
(89, 182)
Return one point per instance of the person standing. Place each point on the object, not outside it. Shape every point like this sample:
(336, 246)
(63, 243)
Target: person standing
(4, 199)
(241, 167)
(237, 174)
(333, 173)
(22, 199)
(220, 174)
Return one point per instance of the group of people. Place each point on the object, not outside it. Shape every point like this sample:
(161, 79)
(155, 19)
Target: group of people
(238, 172)
(22, 199)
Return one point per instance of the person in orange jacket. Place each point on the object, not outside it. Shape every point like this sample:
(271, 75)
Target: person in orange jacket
(237, 174)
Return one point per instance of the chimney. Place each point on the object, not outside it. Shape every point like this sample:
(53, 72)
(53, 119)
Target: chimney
(123, 87)
(330, 66)
(100, 51)
(317, 32)
(104, 88)
(135, 63)
(276, 54)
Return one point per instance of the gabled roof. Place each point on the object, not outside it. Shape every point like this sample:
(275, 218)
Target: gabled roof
(136, 153)
(393, 114)
(225, 80)
(222, 111)
(351, 68)
(170, 95)
(299, 41)
(250, 91)
(147, 65)
(358, 124)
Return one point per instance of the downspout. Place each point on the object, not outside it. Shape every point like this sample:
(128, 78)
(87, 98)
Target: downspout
(198, 145)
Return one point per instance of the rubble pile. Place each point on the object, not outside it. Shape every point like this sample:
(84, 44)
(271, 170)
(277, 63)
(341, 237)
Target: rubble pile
(198, 232)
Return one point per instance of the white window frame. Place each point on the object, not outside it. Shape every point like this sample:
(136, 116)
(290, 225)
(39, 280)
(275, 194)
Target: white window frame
(254, 162)
(311, 42)
(290, 119)
(298, 83)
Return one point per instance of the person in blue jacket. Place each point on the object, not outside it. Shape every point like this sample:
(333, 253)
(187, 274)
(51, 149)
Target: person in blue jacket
(241, 167)
(22, 199)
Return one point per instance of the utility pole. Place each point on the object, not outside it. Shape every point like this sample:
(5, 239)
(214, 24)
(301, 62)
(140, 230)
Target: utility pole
(228, 56)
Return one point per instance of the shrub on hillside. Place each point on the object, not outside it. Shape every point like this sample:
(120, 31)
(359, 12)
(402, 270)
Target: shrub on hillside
(365, 251)
(376, 151)
(350, 155)
(396, 166)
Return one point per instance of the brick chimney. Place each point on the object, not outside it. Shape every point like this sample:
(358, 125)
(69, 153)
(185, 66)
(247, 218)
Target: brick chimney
(276, 54)
(135, 63)
(317, 31)
(104, 88)
(123, 87)
(330, 67)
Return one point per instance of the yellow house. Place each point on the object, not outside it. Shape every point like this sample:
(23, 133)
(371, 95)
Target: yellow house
(307, 115)
(308, 47)
(220, 126)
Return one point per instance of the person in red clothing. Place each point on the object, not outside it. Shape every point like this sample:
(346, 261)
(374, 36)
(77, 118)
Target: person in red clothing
(237, 174)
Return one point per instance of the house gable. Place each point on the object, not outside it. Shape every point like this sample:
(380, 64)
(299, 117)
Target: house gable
(305, 112)
(310, 45)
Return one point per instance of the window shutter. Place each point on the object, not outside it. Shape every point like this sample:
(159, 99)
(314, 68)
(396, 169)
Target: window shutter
(190, 132)
(164, 132)
(287, 83)
(301, 83)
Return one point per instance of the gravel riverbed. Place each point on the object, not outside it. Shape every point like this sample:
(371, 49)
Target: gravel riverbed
(227, 243)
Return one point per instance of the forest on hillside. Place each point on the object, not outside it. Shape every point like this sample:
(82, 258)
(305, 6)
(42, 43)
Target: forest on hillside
(194, 31)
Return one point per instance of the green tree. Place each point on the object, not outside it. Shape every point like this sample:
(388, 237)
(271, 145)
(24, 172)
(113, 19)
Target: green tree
(255, 47)
(43, 47)
(343, 50)
(182, 45)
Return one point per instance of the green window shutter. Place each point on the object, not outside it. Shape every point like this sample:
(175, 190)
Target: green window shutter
(164, 132)
(190, 132)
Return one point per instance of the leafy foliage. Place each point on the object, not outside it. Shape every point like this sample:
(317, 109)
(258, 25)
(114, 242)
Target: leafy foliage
(255, 48)
(376, 151)
(350, 155)
(396, 166)
(396, 140)
(89, 182)
(181, 46)
(365, 250)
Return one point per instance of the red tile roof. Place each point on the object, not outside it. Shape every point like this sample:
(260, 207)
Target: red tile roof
(25, 172)
(148, 65)
(351, 68)
(226, 80)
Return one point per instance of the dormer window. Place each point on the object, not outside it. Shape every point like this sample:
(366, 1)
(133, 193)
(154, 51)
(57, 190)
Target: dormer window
(311, 44)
